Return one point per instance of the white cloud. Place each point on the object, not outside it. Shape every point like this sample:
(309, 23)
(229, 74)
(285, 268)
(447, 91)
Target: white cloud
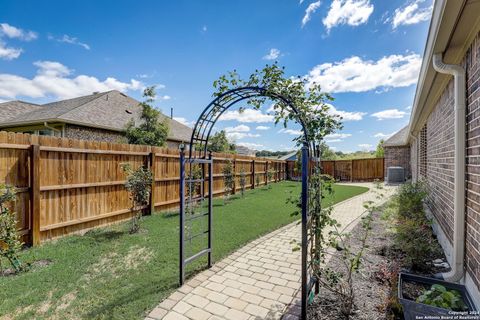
(389, 114)
(272, 55)
(291, 132)
(8, 53)
(351, 12)
(338, 136)
(71, 40)
(382, 135)
(239, 128)
(411, 14)
(164, 98)
(53, 78)
(346, 115)
(262, 128)
(247, 116)
(365, 146)
(240, 135)
(8, 31)
(183, 121)
(312, 7)
(357, 75)
(250, 145)
(14, 32)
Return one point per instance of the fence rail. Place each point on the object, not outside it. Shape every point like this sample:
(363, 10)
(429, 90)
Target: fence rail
(347, 170)
(67, 186)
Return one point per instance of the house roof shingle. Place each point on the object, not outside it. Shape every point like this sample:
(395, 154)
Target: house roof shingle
(400, 138)
(111, 110)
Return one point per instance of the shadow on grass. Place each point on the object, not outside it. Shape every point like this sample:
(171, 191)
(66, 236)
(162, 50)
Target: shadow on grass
(108, 311)
(106, 235)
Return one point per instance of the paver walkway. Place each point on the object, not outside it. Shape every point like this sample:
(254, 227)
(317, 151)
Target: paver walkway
(259, 281)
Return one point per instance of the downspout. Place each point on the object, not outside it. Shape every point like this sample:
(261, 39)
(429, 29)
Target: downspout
(416, 157)
(457, 271)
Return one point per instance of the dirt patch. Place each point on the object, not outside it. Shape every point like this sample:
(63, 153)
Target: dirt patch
(114, 265)
(369, 294)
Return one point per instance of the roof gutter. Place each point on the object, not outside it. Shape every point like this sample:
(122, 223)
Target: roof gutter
(458, 72)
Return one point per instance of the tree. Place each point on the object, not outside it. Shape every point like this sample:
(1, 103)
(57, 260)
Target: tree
(380, 153)
(139, 186)
(326, 152)
(151, 131)
(220, 143)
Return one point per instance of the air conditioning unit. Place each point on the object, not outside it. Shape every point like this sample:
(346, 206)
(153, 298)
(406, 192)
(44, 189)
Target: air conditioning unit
(395, 175)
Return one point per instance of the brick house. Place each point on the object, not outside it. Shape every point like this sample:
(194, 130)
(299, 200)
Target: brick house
(99, 116)
(443, 136)
(396, 153)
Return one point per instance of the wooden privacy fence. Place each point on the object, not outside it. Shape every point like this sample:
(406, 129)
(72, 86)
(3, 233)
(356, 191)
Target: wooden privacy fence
(347, 170)
(66, 186)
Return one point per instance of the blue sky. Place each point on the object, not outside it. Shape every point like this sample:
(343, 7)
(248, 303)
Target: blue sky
(366, 53)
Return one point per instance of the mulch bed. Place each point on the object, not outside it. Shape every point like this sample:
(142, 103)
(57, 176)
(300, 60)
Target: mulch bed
(375, 283)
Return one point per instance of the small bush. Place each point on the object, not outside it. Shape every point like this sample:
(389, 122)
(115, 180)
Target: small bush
(411, 197)
(413, 233)
(243, 181)
(139, 186)
(10, 243)
(228, 180)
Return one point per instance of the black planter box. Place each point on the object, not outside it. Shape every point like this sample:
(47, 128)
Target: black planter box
(413, 310)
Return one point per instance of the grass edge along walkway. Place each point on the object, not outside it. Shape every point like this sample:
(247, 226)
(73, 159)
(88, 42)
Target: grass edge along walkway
(108, 273)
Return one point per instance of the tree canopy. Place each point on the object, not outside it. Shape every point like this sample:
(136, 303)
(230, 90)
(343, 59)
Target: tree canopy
(220, 143)
(379, 152)
(151, 131)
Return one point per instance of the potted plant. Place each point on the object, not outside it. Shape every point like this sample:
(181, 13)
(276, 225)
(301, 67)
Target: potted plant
(422, 296)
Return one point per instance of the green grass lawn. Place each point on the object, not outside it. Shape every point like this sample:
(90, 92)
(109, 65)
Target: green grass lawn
(110, 274)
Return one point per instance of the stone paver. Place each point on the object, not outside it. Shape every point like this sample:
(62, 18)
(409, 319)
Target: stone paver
(259, 281)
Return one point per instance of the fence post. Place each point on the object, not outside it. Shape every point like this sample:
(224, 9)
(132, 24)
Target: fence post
(266, 172)
(234, 190)
(253, 174)
(35, 193)
(153, 186)
(351, 170)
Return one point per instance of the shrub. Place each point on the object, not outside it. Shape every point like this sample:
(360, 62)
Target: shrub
(228, 180)
(270, 174)
(413, 233)
(410, 197)
(139, 186)
(243, 181)
(10, 243)
(193, 188)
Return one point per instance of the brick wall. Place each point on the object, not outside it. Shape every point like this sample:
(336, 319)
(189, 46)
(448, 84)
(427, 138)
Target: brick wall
(89, 133)
(439, 171)
(472, 63)
(397, 157)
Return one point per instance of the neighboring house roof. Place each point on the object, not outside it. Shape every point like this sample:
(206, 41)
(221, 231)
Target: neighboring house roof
(291, 156)
(12, 109)
(398, 139)
(244, 151)
(454, 24)
(111, 110)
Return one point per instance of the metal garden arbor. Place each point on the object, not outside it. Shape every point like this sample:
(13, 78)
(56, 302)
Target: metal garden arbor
(196, 172)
